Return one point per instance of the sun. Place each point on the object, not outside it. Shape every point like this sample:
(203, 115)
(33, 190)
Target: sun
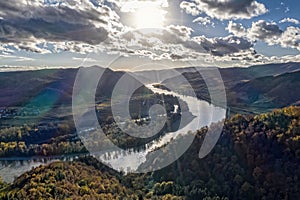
(150, 16)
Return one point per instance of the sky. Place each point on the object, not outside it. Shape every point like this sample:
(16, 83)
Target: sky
(126, 34)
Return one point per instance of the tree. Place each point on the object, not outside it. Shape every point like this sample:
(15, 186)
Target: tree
(257, 172)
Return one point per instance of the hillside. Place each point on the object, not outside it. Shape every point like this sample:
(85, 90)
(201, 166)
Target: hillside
(257, 157)
(230, 75)
(70, 180)
(84, 179)
(46, 95)
(53, 87)
(255, 89)
(234, 75)
(17, 88)
(41, 122)
(35, 87)
(271, 91)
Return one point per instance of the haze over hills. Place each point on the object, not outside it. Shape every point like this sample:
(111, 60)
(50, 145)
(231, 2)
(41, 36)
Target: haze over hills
(231, 74)
(235, 168)
(47, 94)
(254, 89)
(239, 74)
(18, 88)
(254, 86)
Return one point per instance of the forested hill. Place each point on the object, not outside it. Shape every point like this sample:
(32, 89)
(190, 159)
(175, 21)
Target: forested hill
(256, 89)
(257, 157)
(276, 91)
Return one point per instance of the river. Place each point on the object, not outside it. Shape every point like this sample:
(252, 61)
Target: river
(128, 160)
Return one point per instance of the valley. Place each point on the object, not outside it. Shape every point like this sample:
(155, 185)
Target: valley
(38, 136)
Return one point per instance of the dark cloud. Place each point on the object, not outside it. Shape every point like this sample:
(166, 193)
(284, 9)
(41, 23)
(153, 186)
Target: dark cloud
(290, 38)
(87, 26)
(228, 9)
(24, 23)
(268, 32)
(265, 31)
(176, 43)
(224, 46)
(24, 30)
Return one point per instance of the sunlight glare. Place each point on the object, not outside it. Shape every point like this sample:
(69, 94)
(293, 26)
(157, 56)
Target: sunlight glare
(149, 16)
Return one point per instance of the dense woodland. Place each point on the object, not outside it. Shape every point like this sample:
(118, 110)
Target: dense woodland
(257, 157)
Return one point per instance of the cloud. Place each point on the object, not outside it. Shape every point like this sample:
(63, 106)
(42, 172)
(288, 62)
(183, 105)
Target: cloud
(237, 29)
(91, 26)
(287, 9)
(225, 9)
(86, 59)
(224, 45)
(268, 32)
(134, 5)
(290, 38)
(5, 68)
(290, 20)
(182, 32)
(190, 8)
(28, 24)
(204, 21)
(265, 31)
(5, 50)
(15, 58)
(177, 43)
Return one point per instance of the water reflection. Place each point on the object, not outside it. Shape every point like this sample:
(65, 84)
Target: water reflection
(204, 112)
(126, 160)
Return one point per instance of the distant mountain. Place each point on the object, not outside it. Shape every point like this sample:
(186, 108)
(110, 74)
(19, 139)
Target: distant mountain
(254, 89)
(38, 87)
(18, 88)
(263, 86)
(46, 95)
(236, 74)
(230, 75)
